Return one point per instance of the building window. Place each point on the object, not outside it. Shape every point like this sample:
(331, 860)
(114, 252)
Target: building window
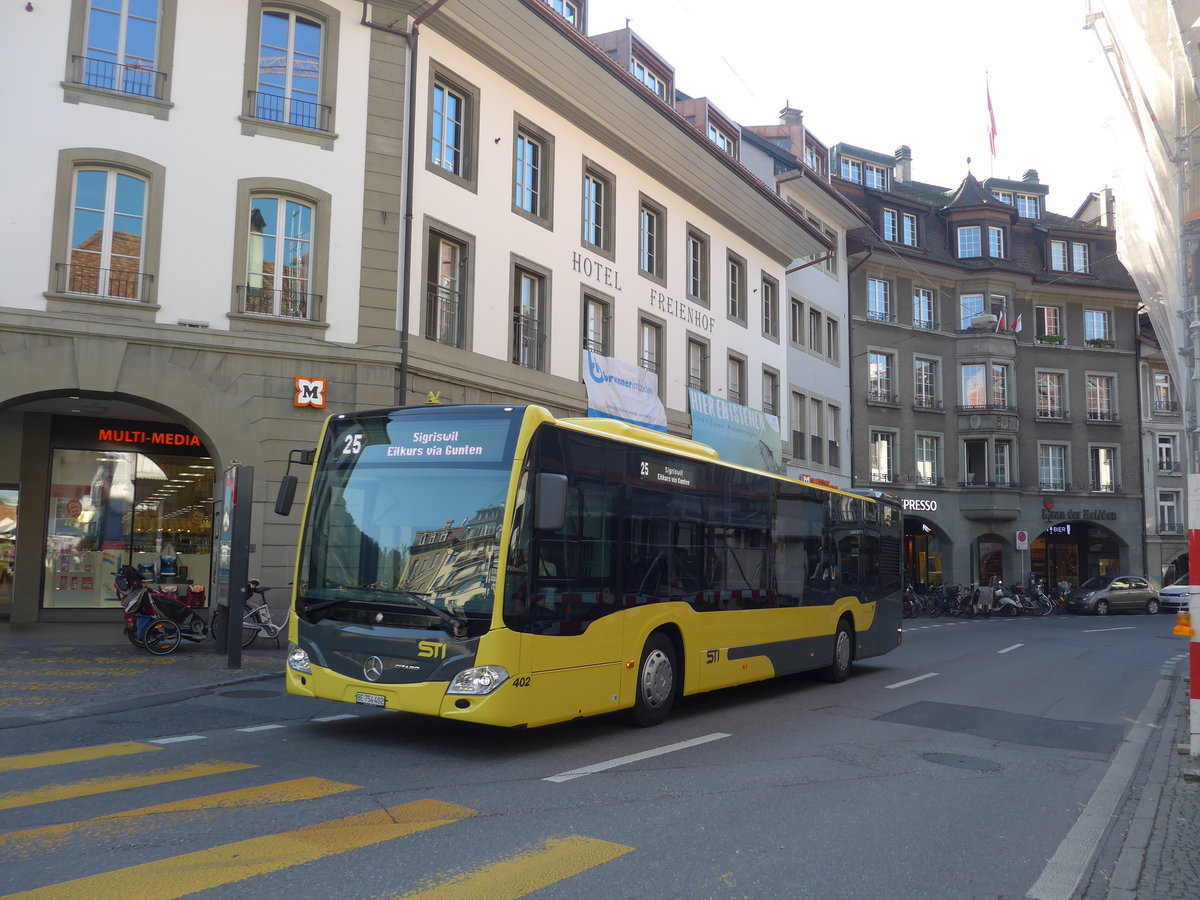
(929, 454)
(445, 282)
(568, 9)
(770, 393)
(833, 434)
(533, 173)
(1079, 257)
(1050, 395)
(1002, 462)
(968, 241)
(1095, 325)
(852, 170)
(447, 143)
(925, 383)
(1168, 512)
(891, 227)
(995, 242)
(799, 418)
(796, 322)
(735, 288)
(1058, 256)
(722, 139)
(596, 320)
(650, 347)
(106, 253)
(1102, 464)
(649, 77)
(970, 306)
(1003, 196)
(1164, 394)
(816, 426)
(879, 300)
(814, 330)
(770, 307)
(908, 229)
(880, 368)
(883, 455)
(832, 340)
(528, 337)
(1052, 467)
(280, 258)
(120, 46)
(289, 71)
(984, 385)
(1100, 398)
(923, 315)
(697, 266)
(1049, 321)
(652, 235)
(1168, 453)
(875, 177)
(697, 359)
(736, 382)
(597, 210)
(1027, 206)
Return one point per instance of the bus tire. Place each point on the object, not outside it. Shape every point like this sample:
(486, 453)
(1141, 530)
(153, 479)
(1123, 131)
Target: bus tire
(843, 652)
(656, 683)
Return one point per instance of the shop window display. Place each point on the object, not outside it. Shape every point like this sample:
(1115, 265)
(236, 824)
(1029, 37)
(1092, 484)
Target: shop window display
(110, 508)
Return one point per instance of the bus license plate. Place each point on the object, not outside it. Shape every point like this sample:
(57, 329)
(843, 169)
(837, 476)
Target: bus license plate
(370, 699)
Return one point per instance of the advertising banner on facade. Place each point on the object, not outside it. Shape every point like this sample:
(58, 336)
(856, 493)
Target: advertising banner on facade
(740, 434)
(620, 390)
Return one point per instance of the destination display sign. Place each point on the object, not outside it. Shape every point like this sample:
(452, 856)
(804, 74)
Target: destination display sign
(414, 439)
(675, 473)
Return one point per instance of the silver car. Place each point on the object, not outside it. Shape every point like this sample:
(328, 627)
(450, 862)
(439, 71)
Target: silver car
(1175, 597)
(1112, 593)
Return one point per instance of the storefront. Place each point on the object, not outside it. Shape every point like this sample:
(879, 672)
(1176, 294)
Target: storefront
(1069, 553)
(124, 493)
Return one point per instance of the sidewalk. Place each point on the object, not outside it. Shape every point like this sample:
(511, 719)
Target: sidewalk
(50, 672)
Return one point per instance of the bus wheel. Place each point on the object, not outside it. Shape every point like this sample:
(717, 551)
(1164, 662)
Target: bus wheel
(843, 653)
(655, 682)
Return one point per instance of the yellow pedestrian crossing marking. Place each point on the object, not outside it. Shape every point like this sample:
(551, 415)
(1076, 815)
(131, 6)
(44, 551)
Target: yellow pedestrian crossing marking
(201, 870)
(83, 754)
(94, 786)
(51, 837)
(530, 870)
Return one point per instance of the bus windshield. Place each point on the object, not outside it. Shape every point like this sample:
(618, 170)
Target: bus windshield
(405, 517)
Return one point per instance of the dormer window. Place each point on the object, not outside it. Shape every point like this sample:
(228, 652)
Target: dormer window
(995, 242)
(852, 170)
(722, 139)
(567, 9)
(875, 177)
(1028, 206)
(814, 159)
(1069, 256)
(1004, 196)
(648, 77)
(969, 242)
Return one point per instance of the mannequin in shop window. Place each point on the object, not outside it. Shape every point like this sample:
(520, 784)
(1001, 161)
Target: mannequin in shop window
(168, 562)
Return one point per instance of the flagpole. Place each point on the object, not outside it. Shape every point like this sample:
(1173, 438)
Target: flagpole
(987, 86)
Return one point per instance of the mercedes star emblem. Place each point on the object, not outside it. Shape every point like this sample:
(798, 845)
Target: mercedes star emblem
(373, 668)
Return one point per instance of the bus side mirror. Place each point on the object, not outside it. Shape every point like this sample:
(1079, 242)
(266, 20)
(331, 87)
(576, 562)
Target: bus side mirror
(550, 511)
(287, 493)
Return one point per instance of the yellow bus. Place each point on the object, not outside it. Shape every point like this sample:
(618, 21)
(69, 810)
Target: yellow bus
(498, 565)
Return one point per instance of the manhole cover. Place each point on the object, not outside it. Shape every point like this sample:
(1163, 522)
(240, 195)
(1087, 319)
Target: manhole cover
(958, 761)
(249, 695)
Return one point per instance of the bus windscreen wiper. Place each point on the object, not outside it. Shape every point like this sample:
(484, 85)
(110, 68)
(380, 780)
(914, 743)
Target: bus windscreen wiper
(455, 626)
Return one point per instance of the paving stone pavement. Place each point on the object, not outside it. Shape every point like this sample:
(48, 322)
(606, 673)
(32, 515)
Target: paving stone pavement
(61, 671)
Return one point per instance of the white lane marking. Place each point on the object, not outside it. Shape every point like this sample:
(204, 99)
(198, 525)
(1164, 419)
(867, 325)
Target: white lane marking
(635, 757)
(1122, 628)
(1013, 647)
(335, 718)
(176, 740)
(261, 728)
(911, 680)
(1063, 872)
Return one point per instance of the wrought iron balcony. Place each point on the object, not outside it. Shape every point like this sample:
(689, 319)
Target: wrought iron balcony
(287, 111)
(878, 315)
(927, 403)
(110, 284)
(527, 341)
(1170, 528)
(443, 308)
(1104, 487)
(1052, 412)
(1102, 415)
(285, 302)
(988, 485)
(881, 395)
(137, 79)
(926, 324)
(1166, 406)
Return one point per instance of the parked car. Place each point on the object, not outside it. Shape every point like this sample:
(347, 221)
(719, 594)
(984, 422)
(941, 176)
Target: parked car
(1111, 593)
(1174, 597)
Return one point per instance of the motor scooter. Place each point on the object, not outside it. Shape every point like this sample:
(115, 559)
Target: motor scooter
(1004, 603)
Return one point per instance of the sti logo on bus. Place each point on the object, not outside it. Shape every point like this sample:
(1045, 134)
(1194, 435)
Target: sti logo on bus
(431, 650)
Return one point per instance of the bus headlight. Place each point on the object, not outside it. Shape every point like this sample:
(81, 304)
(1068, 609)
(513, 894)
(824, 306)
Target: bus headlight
(479, 680)
(297, 660)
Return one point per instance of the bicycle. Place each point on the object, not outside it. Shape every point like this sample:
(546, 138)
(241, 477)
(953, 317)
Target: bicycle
(257, 619)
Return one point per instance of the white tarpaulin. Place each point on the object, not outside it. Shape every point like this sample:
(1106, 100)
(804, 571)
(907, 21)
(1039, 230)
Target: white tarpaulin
(622, 391)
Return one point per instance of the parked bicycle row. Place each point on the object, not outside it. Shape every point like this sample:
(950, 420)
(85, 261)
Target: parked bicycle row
(973, 600)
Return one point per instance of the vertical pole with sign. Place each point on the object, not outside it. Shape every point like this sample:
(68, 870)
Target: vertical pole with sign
(231, 557)
(1023, 544)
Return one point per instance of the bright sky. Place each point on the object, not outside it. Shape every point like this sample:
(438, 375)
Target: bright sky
(878, 74)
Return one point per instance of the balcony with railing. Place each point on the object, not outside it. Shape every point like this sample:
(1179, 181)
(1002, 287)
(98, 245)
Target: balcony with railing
(137, 79)
(1053, 413)
(1105, 416)
(928, 480)
(699, 382)
(1168, 467)
(988, 485)
(287, 111)
(928, 404)
(1052, 485)
(1170, 407)
(882, 395)
(736, 396)
(1170, 527)
(926, 325)
(443, 315)
(1104, 487)
(285, 302)
(979, 408)
(109, 284)
(527, 341)
(881, 315)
